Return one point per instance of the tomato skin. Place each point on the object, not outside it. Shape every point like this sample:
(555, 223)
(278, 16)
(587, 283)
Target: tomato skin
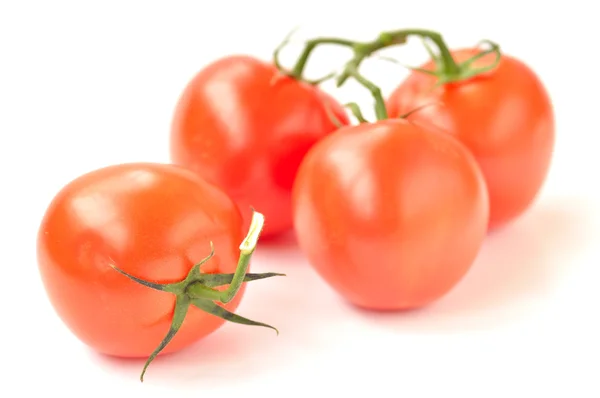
(244, 127)
(390, 215)
(505, 117)
(153, 221)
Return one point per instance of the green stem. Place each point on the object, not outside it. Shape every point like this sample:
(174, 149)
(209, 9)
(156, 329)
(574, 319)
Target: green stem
(247, 247)
(197, 289)
(363, 50)
(450, 67)
(355, 109)
(298, 69)
(447, 69)
(380, 109)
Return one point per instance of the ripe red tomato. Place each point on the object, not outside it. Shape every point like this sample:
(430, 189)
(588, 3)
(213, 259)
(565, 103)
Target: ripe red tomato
(505, 118)
(153, 221)
(390, 215)
(243, 126)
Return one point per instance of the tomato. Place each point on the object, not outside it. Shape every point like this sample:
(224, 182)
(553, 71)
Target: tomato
(505, 118)
(153, 221)
(390, 215)
(245, 127)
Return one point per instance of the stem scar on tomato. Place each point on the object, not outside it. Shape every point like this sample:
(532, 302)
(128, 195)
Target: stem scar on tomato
(198, 289)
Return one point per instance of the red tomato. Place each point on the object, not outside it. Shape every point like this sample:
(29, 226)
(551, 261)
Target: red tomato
(505, 117)
(153, 221)
(390, 215)
(244, 127)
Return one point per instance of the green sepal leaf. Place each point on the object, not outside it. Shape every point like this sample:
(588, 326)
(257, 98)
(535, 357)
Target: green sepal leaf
(216, 310)
(182, 304)
(175, 288)
(355, 109)
(215, 280)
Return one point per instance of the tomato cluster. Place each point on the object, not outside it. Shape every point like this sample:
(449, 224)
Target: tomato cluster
(391, 213)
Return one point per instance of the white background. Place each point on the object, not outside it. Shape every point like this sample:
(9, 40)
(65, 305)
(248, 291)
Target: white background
(87, 84)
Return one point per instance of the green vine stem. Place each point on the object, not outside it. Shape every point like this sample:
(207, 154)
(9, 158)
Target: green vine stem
(198, 289)
(447, 70)
(298, 71)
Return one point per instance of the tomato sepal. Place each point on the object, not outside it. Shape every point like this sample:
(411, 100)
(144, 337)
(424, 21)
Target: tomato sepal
(197, 289)
(446, 70)
(214, 309)
(463, 70)
(216, 280)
